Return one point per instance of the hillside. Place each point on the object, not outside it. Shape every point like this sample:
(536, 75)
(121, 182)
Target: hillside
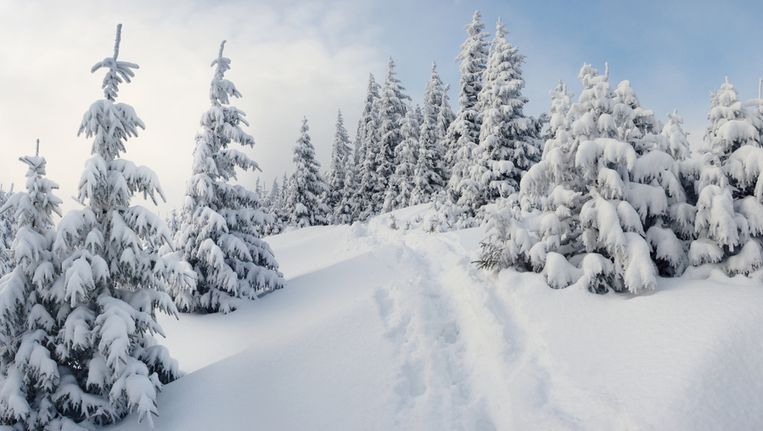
(383, 329)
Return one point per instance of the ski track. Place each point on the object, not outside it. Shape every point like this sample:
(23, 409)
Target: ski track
(460, 367)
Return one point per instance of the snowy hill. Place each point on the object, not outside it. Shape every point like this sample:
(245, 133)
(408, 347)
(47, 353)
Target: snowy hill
(383, 329)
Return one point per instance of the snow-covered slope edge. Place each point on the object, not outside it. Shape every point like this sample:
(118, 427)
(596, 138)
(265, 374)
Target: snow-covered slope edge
(384, 329)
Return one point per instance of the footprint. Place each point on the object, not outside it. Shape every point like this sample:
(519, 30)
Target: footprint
(450, 332)
(484, 424)
(384, 302)
(411, 382)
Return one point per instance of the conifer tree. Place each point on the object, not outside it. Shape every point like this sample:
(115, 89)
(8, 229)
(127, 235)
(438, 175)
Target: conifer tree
(303, 203)
(30, 370)
(274, 205)
(7, 234)
(594, 208)
(727, 226)
(430, 168)
(222, 221)
(508, 142)
(341, 156)
(402, 182)
(111, 284)
(464, 131)
(392, 110)
(369, 140)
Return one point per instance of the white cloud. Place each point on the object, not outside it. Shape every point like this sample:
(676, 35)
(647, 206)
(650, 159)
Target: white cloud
(288, 60)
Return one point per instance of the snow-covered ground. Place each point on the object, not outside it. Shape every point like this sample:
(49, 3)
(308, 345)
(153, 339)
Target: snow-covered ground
(381, 329)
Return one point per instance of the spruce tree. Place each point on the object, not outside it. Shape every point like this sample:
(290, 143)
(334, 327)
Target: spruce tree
(727, 226)
(274, 205)
(369, 139)
(402, 182)
(303, 202)
(430, 168)
(341, 155)
(593, 208)
(464, 132)
(30, 370)
(222, 221)
(7, 234)
(111, 284)
(508, 142)
(392, 110)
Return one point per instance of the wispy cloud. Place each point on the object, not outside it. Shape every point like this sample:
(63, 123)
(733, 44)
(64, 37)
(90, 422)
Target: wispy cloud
(287, 62)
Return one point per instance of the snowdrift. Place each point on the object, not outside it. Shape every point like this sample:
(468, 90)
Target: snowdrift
(385, 329)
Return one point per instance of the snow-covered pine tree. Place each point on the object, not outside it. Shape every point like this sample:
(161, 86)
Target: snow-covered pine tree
(552, 189)
(636, 125)
(591, 228)
(284, 215)
(7, 228)
(173, 221)
(111, 283)
(430, 170)
(7, 234)
(508, 143)
(444, 119)
(30, 371)
(341, 155)
(274, 205)
(303, 202)
(369, 144)
(464, 131)
(729, 218)
(659, 180)
(222, 221)
(402, 182)
(392, 110)
(344, 212)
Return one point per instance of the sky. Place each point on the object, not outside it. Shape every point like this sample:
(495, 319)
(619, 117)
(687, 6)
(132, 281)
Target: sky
(292, 59)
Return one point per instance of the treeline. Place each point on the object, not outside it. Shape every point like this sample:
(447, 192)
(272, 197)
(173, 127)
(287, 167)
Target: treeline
(407, 154)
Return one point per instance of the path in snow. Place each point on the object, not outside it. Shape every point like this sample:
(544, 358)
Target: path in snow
(464, 359)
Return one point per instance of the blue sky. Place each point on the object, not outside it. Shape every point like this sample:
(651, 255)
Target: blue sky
(309, 58)
(674, 53)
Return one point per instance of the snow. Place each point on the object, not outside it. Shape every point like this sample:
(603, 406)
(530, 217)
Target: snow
(384, 329)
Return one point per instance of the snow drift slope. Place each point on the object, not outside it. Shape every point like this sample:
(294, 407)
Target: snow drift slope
(381, 329)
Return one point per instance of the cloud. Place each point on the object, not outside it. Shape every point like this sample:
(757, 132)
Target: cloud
(288, 61)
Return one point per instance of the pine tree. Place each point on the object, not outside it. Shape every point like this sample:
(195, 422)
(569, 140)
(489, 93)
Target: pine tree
(303, 203)
(173, 221)
(111, 286)
(7, 234)
(369, 144)
(222, 221)
(284, 215)
(464, 131)
(393, 110)
(402, 182)
(341, 155)
(430, 168)
(444, 119)
(637, 125)
(727, 224)
(30, 370)
(274, 206)
(508, 141)
(593, 208)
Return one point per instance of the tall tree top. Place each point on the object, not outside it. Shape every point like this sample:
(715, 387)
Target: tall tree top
(473, 58)
(221, 89)
(118, 71)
